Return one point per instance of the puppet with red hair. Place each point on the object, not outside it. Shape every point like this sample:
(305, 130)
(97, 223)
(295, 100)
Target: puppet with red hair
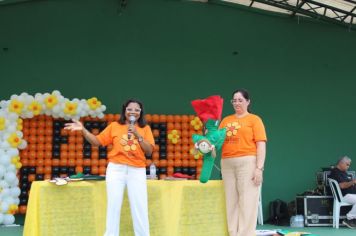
(209, 111)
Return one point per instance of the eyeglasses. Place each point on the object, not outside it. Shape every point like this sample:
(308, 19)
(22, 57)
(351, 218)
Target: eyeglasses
(233, 101)
(133, 109)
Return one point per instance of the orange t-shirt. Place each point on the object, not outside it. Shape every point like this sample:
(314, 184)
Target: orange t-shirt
(242, 135)
(125, 151)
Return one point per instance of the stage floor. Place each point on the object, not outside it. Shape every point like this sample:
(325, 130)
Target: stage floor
(322, 231)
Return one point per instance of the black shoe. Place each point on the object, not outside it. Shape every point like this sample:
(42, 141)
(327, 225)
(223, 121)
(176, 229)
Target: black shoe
(350, 223)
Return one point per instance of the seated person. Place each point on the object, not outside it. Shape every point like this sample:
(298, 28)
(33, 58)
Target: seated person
(348, 188)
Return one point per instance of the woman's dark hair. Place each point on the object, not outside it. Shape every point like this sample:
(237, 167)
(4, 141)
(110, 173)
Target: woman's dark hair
(245, 94)
(141, 121)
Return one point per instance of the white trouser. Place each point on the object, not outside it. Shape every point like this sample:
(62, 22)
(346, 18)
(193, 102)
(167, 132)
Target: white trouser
(117, 177)
(351, 198)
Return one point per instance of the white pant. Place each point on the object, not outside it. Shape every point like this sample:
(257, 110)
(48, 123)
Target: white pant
(117, 177)
(351, 198)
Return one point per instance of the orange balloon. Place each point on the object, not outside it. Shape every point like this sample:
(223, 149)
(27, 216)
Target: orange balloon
(102, 170)
(79, 169)
(185, 133)
(79, 154)
(39, 170)
(155, 118)
(71, 162)
(185, 156)
(94, 170)
(170, 118)
(148, 162)
(199, 163)
(41, 139)
(94, 162)
(32, 147)
(170, 126)
(170, 163)
(162, 118)
(64, 154)
(163, 163)
(41, 131)
(48, 131)
(170, 155)
(63, 162)
(102, 162)
(79, 162)
(22, 209)
(177, 155)
(185, 119)
(148, 118)
(177, 118)
(47, 170)
(32, 154)
(71, 154)
(48, 139)
(177, 148)
(41, 124)
(48, 154)
(39, 162)
(170, 170)
(95, 154)
(155, 155)
(55, 162)
(192, 163)
(32, 162)
(86, 162)
(24, 154)
(47, 162)
(47, 176)
(177, 162)
(162, 176)
(177, 126)
(32, 139)
(31, 177)
(40, 154)
(185, 126)
(24, 161)
(170, 148)
(155, 132)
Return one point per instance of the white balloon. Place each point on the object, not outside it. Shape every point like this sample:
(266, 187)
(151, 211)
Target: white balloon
(10, 177)
(3, 184)
(15, 192)
(2, 171)
(4, 206)
(23, 144)
(5, 160)
(17, 201)
(11, 168)
(5, 193)
(8, 219)
(13, 151)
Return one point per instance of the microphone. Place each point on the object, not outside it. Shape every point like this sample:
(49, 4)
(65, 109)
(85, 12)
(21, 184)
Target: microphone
(132, 120)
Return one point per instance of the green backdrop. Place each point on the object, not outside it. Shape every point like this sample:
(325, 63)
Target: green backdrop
(300, 72)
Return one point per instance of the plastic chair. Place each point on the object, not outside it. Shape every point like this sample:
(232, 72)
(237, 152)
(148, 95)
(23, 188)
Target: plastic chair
(260, 212)
(338, 201)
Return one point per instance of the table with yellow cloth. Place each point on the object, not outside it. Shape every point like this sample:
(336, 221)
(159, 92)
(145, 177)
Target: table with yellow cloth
(176, 208)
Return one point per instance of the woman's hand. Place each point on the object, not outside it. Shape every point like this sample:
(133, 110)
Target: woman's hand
(258, 177)
(75, 125)
(132, 130)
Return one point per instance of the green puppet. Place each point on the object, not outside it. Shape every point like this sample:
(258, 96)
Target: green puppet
(209, 111)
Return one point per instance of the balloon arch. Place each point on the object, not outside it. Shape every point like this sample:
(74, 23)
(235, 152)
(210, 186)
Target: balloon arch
(25, 106)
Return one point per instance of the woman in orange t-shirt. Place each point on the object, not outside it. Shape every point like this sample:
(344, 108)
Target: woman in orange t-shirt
(243, 157)
(131, 139)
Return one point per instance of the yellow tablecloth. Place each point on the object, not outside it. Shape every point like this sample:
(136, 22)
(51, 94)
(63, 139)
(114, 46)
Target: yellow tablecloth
(176, 208)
